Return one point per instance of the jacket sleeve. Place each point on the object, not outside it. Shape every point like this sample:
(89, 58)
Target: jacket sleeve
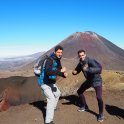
(94, 68)
(59, 65)
(49, 71)
(78, 68)
(59, 70)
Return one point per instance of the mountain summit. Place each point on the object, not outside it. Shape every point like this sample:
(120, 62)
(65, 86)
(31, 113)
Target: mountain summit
(96, 46)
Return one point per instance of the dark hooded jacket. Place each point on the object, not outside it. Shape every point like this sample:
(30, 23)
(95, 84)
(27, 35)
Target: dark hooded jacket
(92, 73)
(51, 61)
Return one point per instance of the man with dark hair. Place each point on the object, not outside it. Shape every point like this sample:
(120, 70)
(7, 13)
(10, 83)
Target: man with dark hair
(58, 48)
(91, 70)
(52, 69)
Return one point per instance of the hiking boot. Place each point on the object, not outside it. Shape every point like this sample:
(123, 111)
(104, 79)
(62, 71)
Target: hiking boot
(100, 118)
(82, 109)
(50, 123)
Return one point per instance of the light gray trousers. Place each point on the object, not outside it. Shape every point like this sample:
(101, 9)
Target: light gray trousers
(52, 100)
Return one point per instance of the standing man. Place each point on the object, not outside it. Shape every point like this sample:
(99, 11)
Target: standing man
(91, 70)
(52, 69)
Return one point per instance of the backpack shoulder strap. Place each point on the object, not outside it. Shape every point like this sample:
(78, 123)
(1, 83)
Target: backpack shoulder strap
(48, 57)
(44, 63)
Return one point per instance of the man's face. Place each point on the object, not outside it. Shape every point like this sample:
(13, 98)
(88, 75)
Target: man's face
(59, 53)
(82, 56)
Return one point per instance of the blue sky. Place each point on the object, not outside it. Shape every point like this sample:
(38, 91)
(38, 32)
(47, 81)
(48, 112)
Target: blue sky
(30, 26)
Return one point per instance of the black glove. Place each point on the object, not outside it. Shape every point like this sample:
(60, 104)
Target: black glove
(54, 89)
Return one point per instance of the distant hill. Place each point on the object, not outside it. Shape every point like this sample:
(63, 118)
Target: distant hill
(18, 62)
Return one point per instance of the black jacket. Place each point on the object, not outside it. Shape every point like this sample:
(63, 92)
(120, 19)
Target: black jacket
(92, 74)
(50, 72)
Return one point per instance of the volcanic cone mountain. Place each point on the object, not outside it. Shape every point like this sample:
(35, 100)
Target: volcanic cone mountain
(110, 55)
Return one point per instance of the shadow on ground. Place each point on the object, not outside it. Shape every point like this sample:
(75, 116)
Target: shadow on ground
(115, 111)
(41, 106)
(74, 100)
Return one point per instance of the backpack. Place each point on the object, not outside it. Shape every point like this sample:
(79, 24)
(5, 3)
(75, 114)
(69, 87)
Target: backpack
(99, 66)
(39, 65)
(39, 69)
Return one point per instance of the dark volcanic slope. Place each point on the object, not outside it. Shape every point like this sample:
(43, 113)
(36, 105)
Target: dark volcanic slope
(111, 56)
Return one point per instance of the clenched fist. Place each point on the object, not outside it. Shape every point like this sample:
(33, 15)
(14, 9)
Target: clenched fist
(74, 72)
(63, 69)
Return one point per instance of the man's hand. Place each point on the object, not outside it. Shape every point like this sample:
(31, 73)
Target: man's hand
(65, 74)
(85, 68)
(63, 69)
(74, 72)
(35, 65)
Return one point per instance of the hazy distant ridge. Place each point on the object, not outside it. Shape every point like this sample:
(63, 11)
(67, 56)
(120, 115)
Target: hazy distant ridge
(18, 62)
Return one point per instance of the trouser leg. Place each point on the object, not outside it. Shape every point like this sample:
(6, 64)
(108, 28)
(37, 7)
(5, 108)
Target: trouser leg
(98, 90)
(57, 94)
(80, 92)
(50, 103)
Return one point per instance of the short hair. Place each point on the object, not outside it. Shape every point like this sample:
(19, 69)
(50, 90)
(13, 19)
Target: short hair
(80, 51)
(58, 47)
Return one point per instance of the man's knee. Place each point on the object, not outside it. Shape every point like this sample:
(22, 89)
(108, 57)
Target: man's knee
(57, 94)
(51, 100)
(99, 99)
(79, 92)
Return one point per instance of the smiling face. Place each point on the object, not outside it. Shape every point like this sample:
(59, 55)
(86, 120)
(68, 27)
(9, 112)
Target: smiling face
(58, 53)
(82, 56)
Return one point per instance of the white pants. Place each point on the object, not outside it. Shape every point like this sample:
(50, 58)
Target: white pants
(52, 100)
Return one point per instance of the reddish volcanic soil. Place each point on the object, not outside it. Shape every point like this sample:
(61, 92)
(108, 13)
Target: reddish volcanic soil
(34, 113)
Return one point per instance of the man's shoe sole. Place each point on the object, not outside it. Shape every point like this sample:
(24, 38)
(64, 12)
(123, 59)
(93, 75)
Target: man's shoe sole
(83, 110)
(100, 120)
